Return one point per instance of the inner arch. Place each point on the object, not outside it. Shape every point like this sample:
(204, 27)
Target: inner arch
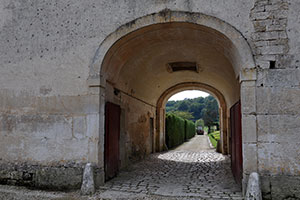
(223, 119)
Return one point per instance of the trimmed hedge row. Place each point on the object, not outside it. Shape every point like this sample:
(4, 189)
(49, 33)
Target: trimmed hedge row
(214, 138)
(178, 130)
(189, 129)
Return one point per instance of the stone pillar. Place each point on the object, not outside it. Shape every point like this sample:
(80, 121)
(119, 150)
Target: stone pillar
(249, 123)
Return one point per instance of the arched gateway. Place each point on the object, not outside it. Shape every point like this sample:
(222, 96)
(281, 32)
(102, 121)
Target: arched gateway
(67, 68)
(145, 61)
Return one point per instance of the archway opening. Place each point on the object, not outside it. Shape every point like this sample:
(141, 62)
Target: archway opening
(192, 120)
(145, 67)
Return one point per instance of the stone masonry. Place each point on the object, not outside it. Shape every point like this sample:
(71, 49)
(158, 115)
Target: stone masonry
(61, 61)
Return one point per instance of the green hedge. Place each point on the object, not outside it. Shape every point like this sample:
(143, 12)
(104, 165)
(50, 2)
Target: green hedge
(213, 140)
(190, 129)
(178, 130)
(214, 137)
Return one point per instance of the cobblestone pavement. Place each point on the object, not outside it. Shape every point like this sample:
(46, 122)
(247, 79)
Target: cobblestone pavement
(179, 173)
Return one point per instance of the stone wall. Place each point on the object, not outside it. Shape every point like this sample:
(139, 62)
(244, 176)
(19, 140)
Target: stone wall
(278, 77)
(49, 114)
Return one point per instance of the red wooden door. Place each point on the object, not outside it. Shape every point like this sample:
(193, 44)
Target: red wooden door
(112, 137)
(236, 142)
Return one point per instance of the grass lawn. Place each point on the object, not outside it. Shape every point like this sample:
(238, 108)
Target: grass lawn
(214, 137)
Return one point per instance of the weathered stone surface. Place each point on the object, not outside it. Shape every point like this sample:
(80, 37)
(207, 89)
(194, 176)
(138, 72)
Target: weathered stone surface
(273, 159)
(250, 160)
(88, 184)
(27, 102)
(60, 177)
(278, 100)
(249, 133)
(253, 188)
(280, 187)
(278, 78)
(278, 128)
(248, 97)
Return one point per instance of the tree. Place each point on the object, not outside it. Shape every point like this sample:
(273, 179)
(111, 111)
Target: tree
(210, 113)
(182, 114)
(195, 107)
(183, 106)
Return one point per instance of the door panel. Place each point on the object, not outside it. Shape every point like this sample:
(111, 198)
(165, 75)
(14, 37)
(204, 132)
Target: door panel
(112, 137)
(236, 142)
(151, 125)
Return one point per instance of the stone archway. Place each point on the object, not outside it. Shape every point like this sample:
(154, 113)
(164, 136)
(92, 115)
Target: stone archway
(120, 48)
(161, 104)
(242, 55)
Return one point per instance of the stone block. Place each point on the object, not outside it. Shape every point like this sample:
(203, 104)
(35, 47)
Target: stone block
(249, 134)
(59, 178)
(55, 177)
(259, 15)
(262, 64)
(269, 35)
(99, 177)
(288, 61)
(281, 5)
(93, 137)
(79, 127)
(278, 100)
(278, 78)
(248, 97)
(77, 105)
(266, 187)
(280, 187)
(276, 27)
(249, 158)
(275, 49)
(248, 74)
(278, 158)
(278, 128)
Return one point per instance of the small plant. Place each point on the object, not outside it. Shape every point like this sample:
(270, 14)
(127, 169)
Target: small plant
(214, 138)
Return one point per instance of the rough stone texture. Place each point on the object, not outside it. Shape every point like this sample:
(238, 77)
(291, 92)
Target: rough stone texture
(250, 160)
(65, 177)
(55, 177)
(275, 25)
(253, 188)
(280, 187)
(88, 185)
(269, 38)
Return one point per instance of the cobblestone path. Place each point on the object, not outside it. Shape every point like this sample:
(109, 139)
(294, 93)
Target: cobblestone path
(179, 173)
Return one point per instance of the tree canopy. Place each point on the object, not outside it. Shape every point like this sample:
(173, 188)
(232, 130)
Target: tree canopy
(205, 108)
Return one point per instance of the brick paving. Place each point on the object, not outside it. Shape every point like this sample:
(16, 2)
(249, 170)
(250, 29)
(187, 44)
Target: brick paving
(179, 173)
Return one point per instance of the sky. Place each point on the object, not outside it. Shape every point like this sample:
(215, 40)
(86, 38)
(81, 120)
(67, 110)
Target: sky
(189, 94)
